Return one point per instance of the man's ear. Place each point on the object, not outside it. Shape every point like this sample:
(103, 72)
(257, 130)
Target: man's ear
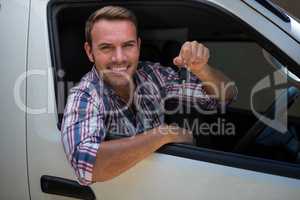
(88, 51)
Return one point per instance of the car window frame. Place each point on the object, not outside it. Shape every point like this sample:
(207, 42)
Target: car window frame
(186, 151)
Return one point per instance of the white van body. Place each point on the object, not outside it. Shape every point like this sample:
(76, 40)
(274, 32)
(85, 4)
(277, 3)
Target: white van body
(30, 142)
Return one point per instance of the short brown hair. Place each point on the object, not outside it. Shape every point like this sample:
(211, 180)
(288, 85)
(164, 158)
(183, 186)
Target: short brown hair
(108, 13)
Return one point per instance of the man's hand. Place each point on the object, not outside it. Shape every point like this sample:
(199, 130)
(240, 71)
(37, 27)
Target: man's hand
(194, 55)
(176, 134)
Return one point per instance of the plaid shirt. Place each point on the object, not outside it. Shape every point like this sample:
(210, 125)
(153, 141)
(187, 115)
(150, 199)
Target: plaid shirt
(93, 111)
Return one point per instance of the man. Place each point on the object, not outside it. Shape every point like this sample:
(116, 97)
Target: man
(122, 96)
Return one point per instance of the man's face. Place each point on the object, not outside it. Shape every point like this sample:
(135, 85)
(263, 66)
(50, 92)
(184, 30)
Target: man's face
(115, 50)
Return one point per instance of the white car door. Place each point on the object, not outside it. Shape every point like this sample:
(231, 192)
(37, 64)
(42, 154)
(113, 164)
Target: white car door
(14, 18)
(176, 172)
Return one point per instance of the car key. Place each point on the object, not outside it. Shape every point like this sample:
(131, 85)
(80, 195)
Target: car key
(183, 75)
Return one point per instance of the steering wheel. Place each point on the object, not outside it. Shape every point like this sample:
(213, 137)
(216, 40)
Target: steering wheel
(291, 94)
(278, 104)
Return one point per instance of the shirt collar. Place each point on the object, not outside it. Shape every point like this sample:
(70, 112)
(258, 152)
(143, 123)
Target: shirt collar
(97, 78)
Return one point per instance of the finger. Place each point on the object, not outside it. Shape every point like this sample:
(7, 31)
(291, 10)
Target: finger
(186, 52)
(178, 61)
(206, 53)
(199, 53)
(189, 139)
(195, 47)
(202, 49)
(186, 131)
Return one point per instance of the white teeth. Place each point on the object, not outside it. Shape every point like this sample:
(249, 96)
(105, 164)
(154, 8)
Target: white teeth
(119, 69)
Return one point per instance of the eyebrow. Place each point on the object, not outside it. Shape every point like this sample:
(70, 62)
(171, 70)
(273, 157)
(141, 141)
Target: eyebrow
(129, 42)
(110, 44)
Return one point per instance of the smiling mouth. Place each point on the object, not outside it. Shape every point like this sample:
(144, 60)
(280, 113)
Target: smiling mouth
(118, 69)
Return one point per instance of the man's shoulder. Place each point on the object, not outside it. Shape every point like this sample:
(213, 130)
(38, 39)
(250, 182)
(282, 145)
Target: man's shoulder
(148, 66)
(158, 70)
(154, 68)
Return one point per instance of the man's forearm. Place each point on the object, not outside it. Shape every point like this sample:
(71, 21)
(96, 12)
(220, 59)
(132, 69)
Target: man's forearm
(216, 83)
(116, 156)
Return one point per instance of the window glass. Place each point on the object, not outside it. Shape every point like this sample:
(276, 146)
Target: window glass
(291, 6)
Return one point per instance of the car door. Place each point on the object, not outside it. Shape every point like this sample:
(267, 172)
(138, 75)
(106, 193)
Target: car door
(175, 171)
(14, 19)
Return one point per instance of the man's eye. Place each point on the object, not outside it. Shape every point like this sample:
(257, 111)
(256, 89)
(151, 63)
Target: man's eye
(105, 48)
(128, 45)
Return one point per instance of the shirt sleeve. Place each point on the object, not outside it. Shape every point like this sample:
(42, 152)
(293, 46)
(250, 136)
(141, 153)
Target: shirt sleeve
(190, 91)
(82, 132)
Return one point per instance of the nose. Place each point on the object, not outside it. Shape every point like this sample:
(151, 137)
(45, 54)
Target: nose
(119, 55)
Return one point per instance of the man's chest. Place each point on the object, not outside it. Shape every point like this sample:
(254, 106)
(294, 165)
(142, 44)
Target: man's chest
(143, 112)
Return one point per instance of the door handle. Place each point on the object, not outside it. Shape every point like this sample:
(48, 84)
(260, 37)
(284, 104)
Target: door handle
(66, 187)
